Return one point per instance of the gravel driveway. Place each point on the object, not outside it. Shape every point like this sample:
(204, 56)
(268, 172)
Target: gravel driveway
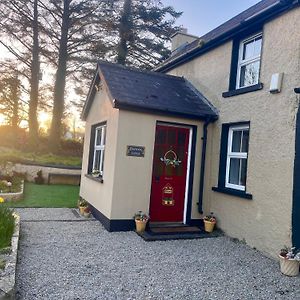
(62, 257)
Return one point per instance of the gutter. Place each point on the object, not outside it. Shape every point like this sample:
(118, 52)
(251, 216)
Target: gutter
(202, 168)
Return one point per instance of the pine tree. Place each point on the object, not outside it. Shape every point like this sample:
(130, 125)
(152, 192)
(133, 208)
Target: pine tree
(144, 29)
(20, 36)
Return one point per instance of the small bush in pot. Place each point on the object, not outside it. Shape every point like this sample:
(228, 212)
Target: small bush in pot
(141, 220)
(289, 261)
(209, 222)
(83, 205)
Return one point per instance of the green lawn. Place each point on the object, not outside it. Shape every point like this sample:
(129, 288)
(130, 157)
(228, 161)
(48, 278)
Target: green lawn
(48, 196)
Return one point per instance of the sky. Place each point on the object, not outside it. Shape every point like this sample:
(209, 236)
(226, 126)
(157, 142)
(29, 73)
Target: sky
(201, 16)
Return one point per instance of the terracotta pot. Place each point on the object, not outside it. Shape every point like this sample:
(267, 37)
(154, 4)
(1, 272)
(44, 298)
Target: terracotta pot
(209, 226)
(81, 209)
(289, 267)
(140, 225)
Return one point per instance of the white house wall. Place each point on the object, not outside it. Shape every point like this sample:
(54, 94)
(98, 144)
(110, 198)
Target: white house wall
(265, 221)
(96, 193)
(133, 175)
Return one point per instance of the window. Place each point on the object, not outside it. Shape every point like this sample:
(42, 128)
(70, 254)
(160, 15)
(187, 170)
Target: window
(237, 154)
(249, 61)
(99, 148)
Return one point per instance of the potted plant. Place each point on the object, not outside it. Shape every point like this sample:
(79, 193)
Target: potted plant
(95, 173)
(209, 222)
(289, 261)
(82, 204)
(141, 220)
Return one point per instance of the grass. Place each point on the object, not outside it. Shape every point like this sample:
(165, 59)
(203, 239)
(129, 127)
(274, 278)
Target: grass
(17, 156)
(7, 225)
(48, 196)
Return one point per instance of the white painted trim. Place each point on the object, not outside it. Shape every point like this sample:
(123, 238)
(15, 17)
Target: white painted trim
(188, 169)
(242, 62)
(100, 147)
(230, 154)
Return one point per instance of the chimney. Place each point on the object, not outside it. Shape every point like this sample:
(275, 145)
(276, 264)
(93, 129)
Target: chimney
(181, 38)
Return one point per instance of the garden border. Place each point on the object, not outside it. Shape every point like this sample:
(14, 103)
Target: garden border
(8, 282)
(9, 197)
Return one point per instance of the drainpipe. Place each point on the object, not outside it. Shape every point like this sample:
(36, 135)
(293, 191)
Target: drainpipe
(202, 169)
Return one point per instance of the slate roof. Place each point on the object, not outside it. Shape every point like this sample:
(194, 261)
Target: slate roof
(228, 27)
(148, 91)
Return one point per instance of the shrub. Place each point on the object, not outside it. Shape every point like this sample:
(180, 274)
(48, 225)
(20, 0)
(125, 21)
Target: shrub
(7, 226)
(39, 179)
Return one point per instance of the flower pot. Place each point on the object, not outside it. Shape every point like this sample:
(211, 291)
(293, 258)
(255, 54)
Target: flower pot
(81, 209)
(209, 226)
(289, 267)
(140, 225)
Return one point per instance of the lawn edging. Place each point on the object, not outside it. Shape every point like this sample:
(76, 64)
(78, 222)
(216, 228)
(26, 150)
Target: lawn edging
(13, 196)
(8, 281)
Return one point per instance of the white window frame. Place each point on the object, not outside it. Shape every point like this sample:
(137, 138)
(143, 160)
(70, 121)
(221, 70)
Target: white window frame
(243, 62)
(100, 148)
(230, 154)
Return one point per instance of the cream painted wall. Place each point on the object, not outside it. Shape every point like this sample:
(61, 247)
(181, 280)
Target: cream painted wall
(265, 221)
(127, 180)
(96, 193)
(133, 174)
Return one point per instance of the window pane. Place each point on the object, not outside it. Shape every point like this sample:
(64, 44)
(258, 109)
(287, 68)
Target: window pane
(234, 171)
(257, 47)
(236, 141)
(248, 50)
(249, 74)
(104, 135)
(243, 172)
(96, 164)
(101, 162)
(245, 141)
(98, 136)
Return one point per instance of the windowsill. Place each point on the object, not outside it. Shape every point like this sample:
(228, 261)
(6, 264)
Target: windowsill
(232, 192)
(243, 90)
(97, 179)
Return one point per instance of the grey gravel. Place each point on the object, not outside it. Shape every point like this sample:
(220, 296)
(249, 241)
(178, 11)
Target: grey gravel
(47, 214)
(80, 260)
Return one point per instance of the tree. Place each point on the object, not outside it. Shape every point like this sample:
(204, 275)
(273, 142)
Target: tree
(73, 31)
(11, 105)
(20, 36)
(144, 29)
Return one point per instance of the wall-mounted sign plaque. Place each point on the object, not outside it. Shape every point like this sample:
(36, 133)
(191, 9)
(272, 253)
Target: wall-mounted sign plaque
(137, 151)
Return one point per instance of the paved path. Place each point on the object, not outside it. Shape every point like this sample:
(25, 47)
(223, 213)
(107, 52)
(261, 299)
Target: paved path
(63, 258)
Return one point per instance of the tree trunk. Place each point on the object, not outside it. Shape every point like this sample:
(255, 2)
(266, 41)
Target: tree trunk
(34, 81)
(15, 104)
(125, 32)
(60, 81)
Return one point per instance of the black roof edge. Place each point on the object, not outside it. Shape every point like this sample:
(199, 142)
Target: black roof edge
(91, 94)
(297, 90)
(268, 14)
(135, 108)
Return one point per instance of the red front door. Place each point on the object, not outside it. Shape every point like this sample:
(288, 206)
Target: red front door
(169, 174)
